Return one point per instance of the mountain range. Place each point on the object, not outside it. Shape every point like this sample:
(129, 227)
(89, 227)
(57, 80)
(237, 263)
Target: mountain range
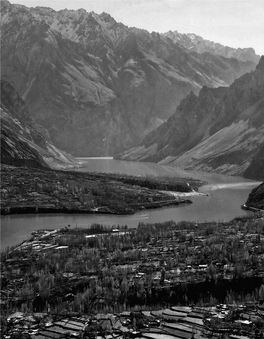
(220, 130)
(98, 87)
(196, 43)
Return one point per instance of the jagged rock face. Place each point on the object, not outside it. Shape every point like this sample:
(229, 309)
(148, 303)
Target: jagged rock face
(22, 142)
(96, 85)
(256, 197)
(221, 130)
(256, 168)
(193, 42)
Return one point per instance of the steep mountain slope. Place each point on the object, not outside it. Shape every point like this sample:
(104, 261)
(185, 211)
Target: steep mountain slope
(256, 168)
(256, 197)
(197, 44)
(22, 142)
(96, 85)
(220, 130)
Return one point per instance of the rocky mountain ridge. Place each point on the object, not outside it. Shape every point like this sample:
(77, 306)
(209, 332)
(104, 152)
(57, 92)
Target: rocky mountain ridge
(96, 85)
(256, 197)
(197, 44)
(220, 130)
(22, 142)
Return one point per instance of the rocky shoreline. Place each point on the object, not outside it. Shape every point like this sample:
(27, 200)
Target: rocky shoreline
(98, 210)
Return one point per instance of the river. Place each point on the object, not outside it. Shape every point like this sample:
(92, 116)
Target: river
(225, 196)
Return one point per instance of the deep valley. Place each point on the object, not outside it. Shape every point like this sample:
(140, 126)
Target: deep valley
(132, 168)
(221, 130)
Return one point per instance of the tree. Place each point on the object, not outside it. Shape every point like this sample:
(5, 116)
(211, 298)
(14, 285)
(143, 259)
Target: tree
(162, 278)
(211, 271)
(261, 293)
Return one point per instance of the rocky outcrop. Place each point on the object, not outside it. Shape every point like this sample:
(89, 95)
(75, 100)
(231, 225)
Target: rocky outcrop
(256, 198)
(22, 142)
(221, 130)
(193, 42)
(255, 169)
(96, 85)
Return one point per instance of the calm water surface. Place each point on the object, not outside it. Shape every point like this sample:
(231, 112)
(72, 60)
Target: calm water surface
(225, 196)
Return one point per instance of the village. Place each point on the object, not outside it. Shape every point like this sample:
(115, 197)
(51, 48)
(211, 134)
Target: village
(182, 322)
(189, 279)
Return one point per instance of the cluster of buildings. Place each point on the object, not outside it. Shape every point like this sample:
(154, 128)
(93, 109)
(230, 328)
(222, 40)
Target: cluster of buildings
(185, 255)
(178, 322)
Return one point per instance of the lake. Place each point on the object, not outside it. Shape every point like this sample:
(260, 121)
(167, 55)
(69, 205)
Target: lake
(225, 196)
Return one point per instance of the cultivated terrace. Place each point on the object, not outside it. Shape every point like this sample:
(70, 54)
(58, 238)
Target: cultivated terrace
(117, 282)
(25, 190)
